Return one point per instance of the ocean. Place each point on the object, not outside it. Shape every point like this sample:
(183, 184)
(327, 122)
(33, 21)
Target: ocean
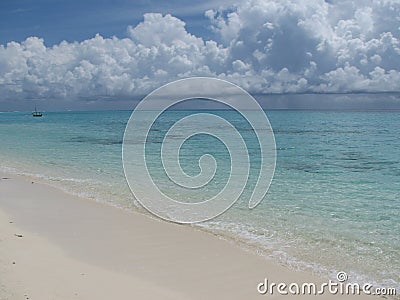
(333, 204)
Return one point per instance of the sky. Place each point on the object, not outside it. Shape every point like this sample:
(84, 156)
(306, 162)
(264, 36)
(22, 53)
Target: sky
(100, 54)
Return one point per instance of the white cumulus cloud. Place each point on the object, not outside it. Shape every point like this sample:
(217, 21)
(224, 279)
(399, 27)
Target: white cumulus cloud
(265, 46)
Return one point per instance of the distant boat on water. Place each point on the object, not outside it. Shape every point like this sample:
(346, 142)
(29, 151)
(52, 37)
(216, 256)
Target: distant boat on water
(37, 113)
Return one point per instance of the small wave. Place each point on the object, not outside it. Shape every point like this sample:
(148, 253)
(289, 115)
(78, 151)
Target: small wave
(267, 245)
(12, 170)
(95, 141)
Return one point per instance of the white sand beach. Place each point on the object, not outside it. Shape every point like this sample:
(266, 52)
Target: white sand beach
(57, 246)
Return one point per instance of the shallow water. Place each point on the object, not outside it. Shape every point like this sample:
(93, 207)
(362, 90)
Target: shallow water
(333, 204)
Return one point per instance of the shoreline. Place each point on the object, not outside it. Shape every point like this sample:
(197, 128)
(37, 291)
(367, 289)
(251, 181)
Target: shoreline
(131, 254)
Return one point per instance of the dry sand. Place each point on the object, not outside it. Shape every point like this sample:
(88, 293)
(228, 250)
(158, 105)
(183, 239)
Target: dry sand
(57, 246)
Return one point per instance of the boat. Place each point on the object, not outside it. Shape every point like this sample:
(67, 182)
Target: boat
(37, 113)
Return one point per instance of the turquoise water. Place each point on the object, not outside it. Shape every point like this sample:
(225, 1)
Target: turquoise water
(333, 204)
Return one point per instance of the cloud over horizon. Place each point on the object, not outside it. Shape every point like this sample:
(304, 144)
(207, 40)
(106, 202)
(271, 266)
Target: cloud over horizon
(264, 46)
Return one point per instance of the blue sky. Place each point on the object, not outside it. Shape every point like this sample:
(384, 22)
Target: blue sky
(58, 20)
(79, 54)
